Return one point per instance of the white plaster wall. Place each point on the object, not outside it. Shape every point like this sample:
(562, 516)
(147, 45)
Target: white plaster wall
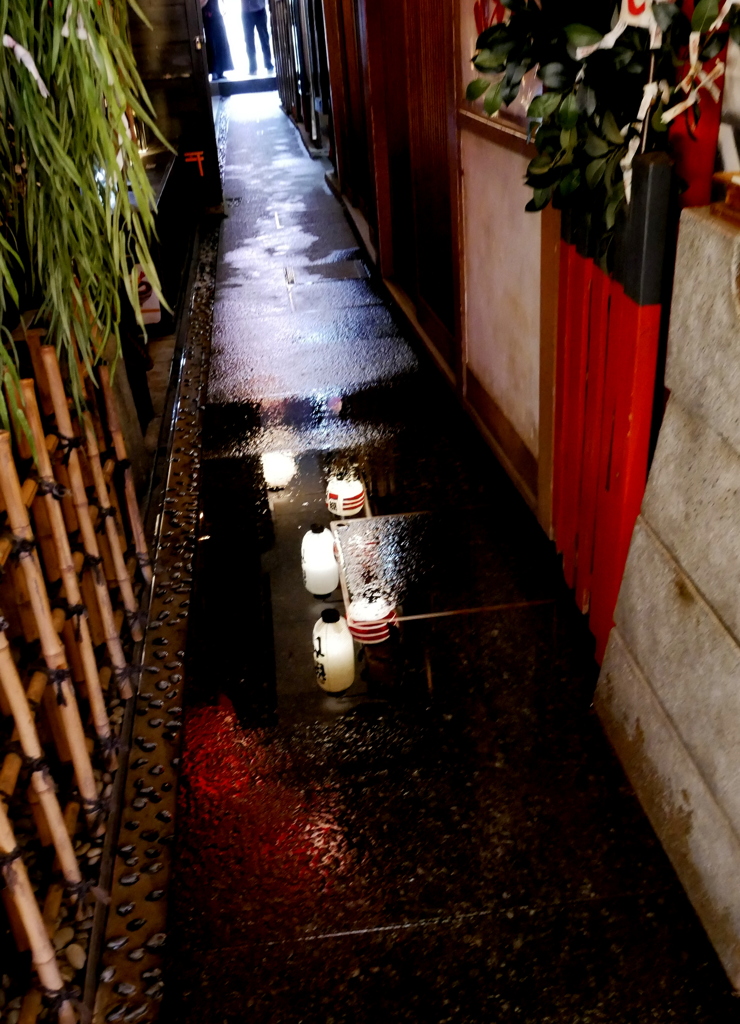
(502, 282)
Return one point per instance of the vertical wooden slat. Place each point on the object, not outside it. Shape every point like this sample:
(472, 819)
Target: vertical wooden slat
(595, 384)
(628, 408)
(430, 105)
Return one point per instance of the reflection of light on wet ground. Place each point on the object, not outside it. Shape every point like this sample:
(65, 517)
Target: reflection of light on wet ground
(346, 437)
(286, 368)
(384, 556)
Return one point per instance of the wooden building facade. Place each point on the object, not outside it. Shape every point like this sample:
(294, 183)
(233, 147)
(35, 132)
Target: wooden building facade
(436, 190)
(558, 363)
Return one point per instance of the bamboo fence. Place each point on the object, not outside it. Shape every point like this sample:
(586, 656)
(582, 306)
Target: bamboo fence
(66, 592)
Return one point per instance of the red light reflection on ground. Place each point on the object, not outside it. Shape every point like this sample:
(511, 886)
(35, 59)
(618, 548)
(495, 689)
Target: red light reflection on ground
(253, 841)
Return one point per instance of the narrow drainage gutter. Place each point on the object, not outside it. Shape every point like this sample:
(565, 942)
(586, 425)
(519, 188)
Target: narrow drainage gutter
(124, 976)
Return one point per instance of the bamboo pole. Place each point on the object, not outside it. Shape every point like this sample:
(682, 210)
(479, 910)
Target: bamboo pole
(51, 645)
(39, 818)
(31, 1006)
(107, 511)
(89, 538)
(23, 899)
(12, 762)
(70, 581)
(33, 341)
(137, 529)
(40, 779)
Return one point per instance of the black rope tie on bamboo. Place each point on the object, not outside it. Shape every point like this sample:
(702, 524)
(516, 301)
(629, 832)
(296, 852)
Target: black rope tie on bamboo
(80, 889)
(57, 677)
(67, 446)
(6, 859)
(110, 744)
(104, 513)
(55, 998)
(135, 619)
(95, 809)
(37, 764)
(70, 610)
(143, 559)
(47, 485)
(92, 562)
(123, 674)
(21, 546)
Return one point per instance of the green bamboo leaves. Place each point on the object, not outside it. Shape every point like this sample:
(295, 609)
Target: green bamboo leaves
(76, 208)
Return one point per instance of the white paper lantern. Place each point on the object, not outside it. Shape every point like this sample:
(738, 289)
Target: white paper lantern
(345, 497)
(370, 621)
(333, 652)
(320, 569)
(278, 470)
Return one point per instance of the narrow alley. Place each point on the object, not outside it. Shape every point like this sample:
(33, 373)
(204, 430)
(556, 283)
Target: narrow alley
(452, 839)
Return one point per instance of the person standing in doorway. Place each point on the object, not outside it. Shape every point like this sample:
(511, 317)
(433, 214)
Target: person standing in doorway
(254, 16)
(217, 44)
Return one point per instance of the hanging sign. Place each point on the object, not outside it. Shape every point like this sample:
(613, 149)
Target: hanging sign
(633, 13)
(637, 13)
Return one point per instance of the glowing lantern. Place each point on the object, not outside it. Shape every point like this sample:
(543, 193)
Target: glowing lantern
(370, 621)
(320, 569)
(278, 470)
(345, 497)
(333, 652)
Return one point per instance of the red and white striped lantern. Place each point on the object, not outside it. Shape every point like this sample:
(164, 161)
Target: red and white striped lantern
(370, 621)
(345, 497)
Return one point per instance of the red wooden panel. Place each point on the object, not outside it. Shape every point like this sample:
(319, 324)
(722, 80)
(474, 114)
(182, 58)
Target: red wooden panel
(595, 383)
(566, 260)
(579, 302)
(626, 423)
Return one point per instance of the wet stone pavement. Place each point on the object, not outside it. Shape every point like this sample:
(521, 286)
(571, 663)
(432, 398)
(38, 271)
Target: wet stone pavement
(452, 840)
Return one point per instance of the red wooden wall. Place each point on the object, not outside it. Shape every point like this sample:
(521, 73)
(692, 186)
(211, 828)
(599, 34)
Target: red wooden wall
(610, 333)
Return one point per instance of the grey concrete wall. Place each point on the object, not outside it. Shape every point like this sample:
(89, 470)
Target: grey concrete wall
(669, 690)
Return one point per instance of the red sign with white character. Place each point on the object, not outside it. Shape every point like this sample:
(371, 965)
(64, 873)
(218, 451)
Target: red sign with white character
(637, 12)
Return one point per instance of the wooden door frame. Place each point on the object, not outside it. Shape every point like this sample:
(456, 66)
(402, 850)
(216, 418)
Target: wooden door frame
(381, 170)
(213, 193)
(336, 82)
(533, 477)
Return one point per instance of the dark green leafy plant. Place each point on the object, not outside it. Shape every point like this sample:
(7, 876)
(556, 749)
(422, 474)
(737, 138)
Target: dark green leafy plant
(586, 120)
(76, 208)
